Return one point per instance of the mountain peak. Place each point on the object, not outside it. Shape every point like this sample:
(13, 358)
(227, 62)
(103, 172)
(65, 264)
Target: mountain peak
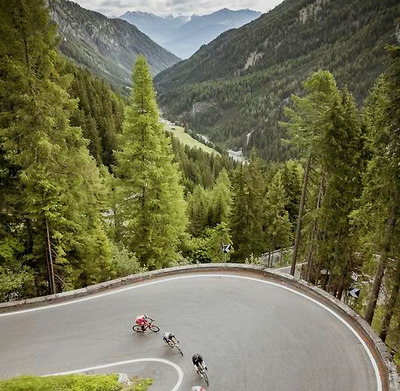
(183, 35)
(107, 47)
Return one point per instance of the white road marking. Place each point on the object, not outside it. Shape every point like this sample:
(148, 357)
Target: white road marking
(176, 367)
(370, 356)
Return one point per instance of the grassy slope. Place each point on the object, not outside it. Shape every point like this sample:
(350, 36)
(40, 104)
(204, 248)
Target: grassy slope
(72, 382)
(186, 139)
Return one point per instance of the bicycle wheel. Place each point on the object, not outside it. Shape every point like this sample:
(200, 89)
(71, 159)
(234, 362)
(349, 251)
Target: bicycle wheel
(179, 349)
(137, 328)
(205, 376)
(154, 329)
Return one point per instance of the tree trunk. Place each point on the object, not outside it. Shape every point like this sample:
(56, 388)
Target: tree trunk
(310, 275)
(301, 209)
(49, 259)
(29, 242)
(342, 282)
(22, 17)
(333, 279)
(391, 305)
(380, 271)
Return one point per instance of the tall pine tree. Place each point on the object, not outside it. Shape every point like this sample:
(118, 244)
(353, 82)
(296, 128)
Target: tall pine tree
(151, 207)
(248, 210)
(379, 213)
(325, 126)
(277, 225)
(53, 207)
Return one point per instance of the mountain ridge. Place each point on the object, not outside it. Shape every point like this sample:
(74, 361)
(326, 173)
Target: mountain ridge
(185, 36)
(107, 47)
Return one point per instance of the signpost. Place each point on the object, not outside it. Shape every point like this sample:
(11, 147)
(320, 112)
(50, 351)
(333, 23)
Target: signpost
(226, 248)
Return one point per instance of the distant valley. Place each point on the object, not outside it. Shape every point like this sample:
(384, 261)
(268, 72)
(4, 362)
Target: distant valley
(185, 35)
(234, 89)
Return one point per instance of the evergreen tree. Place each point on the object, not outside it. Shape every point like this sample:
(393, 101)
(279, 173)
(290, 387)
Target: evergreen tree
(99, 113)
(199, 210)
(308, 119)
(291, 174)
(151, 205)
(277, 225)
(325, 126)
(342, 159)
(247, 210)
(221, 200)
(379, 212)
(53, 210)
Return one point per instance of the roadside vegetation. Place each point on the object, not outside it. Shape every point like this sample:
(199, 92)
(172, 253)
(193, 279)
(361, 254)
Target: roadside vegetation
(73, 383)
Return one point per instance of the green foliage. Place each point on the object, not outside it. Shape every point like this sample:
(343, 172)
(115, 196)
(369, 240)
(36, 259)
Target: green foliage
(125, 262)
(199, 167)
(324, 124)
(150, 198)
(248, 209)
(199, 209)
(179, 133)
(221, 200)
(252, 260)
(379, 207)
(48, 178)
(99, 113)
(143, 385)
(72, 383)
(16, 283)
(291, 175)
(60, 383)
(208, 247)
(277, 225)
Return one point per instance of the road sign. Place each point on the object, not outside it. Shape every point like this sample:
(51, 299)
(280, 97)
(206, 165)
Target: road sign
(226, 248)
(354, 292)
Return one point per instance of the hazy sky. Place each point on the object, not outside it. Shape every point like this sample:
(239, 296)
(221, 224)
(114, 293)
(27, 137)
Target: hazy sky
(163, 7)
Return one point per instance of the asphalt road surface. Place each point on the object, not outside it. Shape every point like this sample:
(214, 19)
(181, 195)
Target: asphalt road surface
(253, 335)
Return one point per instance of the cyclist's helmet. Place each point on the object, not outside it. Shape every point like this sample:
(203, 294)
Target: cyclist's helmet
(197, 358)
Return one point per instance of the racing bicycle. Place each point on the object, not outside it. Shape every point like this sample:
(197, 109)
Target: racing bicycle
(203, 373)
(148, 326)
(175, 345)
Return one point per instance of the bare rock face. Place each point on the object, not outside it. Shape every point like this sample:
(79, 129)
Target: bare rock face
(107, 47)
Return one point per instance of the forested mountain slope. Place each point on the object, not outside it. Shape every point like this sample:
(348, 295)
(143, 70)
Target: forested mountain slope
(235, 88)
(107, 47)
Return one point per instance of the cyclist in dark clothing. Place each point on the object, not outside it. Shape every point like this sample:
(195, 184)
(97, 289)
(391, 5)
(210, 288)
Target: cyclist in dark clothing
(198, 362)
